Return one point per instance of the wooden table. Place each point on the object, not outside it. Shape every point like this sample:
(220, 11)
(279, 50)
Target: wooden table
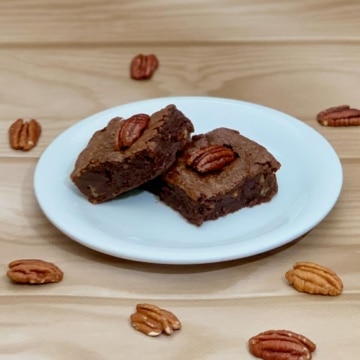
(63, 61)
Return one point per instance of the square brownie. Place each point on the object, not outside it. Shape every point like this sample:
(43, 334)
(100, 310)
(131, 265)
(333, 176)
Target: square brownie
(216, 174)
(127, 153)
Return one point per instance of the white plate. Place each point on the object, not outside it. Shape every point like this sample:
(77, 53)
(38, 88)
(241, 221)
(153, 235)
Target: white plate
(139, 227)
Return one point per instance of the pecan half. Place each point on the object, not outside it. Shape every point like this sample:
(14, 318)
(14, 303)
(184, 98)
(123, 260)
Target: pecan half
(34, 271)
(210, 158)
(24, 135)
(143, 66)
(312, 278)
(281, 345)
(130, 130)
(341, 115)
(152, 321)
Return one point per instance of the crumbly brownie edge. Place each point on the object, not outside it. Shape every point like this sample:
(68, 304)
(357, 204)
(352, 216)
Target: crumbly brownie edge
(252, 192)
(108, 180)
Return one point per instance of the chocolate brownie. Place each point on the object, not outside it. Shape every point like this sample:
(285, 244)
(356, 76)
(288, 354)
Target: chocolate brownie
(105, 169)
(244, 179)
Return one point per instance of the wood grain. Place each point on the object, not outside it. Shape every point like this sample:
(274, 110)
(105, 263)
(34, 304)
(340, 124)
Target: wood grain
(91, 318)
(60, 88)
(27, 233)
(126, 21)
(61, 62)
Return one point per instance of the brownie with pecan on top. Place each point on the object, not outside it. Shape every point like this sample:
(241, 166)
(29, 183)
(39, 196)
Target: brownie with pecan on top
(127, 153)
(216, 174)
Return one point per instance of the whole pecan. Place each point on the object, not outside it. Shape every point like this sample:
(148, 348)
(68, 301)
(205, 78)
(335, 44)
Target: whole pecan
(312, 278)
(34, 271)
(281, 345)
(130, 130)
(24, 135)
(210, 158)
(143, 66)
(152, 321)
(341, 115)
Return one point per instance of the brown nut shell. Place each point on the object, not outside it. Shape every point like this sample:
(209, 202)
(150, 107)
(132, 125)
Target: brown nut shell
(142, 67)
(130, 130)
(313, 278)
(34, 272)
(210, 158)
(24, 135)
(281, 345)
(341, 115)
(153, 321)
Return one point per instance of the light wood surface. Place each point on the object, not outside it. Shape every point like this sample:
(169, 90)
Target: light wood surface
(63, 61)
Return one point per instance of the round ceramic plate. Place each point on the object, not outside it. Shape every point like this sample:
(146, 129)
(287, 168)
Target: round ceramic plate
(138, 226)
